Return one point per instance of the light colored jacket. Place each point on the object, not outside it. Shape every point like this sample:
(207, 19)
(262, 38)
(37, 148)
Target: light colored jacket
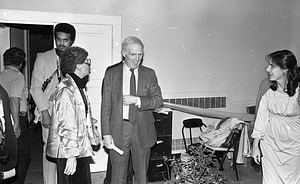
(44, 66)
(71, 131)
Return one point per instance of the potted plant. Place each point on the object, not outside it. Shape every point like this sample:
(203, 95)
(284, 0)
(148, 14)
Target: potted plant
(197, 169)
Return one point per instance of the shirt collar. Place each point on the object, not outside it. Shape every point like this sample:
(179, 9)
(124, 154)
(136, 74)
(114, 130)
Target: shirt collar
(126, 69)
(11, 68)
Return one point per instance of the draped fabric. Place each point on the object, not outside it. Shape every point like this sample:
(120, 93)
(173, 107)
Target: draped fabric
(210, 113)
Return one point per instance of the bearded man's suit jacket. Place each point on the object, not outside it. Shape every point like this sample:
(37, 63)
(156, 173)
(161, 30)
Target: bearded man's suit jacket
(148, 91)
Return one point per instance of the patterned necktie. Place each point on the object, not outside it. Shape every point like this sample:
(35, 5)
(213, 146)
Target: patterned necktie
(132, 109)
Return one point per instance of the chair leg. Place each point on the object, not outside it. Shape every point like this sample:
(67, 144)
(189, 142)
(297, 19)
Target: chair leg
(182, 131)
(223, 159)
(221, 168)
(236, 171)
(219, 157)
(234, 165)
(191, 139)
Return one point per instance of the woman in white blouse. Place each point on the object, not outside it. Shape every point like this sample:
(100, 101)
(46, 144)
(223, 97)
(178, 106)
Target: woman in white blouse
(277, 126)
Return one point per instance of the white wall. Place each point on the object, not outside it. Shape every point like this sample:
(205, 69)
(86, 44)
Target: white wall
(214, 45)
(295, 43)
(198, 47)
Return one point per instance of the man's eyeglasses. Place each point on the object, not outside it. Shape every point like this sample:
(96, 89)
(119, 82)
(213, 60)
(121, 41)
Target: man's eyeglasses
(88, 62)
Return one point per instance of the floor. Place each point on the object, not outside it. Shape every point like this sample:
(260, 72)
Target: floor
(247, 174)
(35, 171)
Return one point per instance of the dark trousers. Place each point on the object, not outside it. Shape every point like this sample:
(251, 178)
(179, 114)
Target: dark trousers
(130, 172)
(81, 176)
(131, 147)
(23, 154)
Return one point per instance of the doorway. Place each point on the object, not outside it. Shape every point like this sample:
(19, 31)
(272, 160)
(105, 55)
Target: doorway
(39, 39)
(32, 39)
(99, 35)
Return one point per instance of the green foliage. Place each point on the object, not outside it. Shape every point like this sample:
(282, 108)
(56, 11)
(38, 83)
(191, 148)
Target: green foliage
(197, 169)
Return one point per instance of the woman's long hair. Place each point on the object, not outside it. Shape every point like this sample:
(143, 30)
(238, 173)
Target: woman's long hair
(285, 59)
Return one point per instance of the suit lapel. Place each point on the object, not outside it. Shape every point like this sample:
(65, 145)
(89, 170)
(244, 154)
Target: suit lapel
(141, 80)
(118, 85)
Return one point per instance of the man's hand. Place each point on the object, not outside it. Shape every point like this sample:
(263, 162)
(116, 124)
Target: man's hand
(17, 130)
(129, 99)
(14, 103)
(107, 141)
(46, 119)
(71, 164)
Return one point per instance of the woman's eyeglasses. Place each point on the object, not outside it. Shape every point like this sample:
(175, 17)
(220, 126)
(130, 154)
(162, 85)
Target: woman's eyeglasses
(88, 62)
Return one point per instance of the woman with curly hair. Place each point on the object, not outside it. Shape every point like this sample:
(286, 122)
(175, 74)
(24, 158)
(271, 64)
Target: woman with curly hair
(72, 129)
(277, 126)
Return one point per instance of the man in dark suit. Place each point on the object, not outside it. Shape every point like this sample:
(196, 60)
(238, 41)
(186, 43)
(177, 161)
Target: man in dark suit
(130, 92)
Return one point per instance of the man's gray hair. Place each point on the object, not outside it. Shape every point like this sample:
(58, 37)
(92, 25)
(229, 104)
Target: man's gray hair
(131, 40)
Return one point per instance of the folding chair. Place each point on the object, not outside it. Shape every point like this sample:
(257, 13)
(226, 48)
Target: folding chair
(250, 109)
(191, 123)
(232, 145)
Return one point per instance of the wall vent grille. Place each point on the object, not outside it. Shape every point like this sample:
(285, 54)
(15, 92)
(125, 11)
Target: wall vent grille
(202, 102)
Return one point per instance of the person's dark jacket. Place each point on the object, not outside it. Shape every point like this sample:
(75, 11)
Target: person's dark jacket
(10, 141)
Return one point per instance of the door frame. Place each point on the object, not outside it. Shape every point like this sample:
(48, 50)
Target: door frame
(49, 18)
(5, 42)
